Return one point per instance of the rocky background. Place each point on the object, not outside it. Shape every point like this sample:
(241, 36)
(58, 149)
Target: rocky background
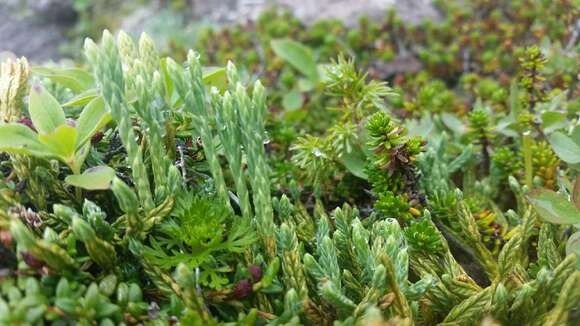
(39, 29)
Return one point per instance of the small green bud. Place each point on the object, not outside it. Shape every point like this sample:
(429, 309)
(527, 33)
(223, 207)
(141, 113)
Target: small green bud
(122, 294)
(127, 48)
(125, 196)
(91, 50)
(148, 52)
(271, 272)
(135, 293)
(66, 304)
(92, 296)
(100, 251)
(50, 235)
(64, 213)
(21, 234)
(108, 284)
(63, 289)
(232, 73)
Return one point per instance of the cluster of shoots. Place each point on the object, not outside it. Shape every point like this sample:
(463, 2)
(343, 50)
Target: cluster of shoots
(139, 189)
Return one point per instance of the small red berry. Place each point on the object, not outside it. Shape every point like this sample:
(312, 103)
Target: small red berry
(256, 272)
(242, 289)
(31, 261)
(97, 138)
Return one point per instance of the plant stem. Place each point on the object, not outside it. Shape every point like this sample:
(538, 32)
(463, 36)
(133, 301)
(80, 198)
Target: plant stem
(527, 149)
(76, 170)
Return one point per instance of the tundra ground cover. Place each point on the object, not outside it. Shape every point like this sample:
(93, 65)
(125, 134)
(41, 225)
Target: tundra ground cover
(314, 181)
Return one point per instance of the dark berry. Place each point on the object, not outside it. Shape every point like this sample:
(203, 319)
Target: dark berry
(243, 289)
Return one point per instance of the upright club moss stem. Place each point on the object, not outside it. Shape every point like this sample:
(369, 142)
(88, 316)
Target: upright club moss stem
(528, 166)
(227, 118)
(188, 83)
(109, 76)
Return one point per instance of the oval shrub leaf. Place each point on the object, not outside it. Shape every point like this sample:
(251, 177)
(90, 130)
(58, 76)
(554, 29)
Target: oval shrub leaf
(93, 118)
(292, 100)
(19, 139)
(298, 56)
(565, 147)
(61, 142)
(573, 244)
(554, 207)
(552, 121)
(95, 178)
(83, 98)
(45, 112)
(576, 135)
(576, 192)
(75, 79)
(452, 122)
(573, 247)
(355, 163)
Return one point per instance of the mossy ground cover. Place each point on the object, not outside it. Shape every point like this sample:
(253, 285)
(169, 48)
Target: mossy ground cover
(388, 174)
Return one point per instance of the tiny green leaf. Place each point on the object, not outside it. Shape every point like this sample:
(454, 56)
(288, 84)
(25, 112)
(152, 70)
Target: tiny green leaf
(45, 112)
(565, 147)
(298, 56)
(95, 178)
(292, 100)
(355, 163)
(306, 85)
(166, 75)
(453, 123)
(554, 207)
(216, 77)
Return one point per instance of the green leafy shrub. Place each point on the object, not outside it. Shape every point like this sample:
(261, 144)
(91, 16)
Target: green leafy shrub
(140, 190)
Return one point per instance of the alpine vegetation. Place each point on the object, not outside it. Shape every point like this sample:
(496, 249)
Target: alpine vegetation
(141, 189)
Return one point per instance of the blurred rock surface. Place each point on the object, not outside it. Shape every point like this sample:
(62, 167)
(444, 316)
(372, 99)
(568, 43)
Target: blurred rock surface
(37, 28)
(34, 29)
(225, 11)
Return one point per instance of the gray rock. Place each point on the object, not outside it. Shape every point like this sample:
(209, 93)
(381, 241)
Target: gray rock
(60, 12)
(38, 34)
(227, 11)
(27, 36)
